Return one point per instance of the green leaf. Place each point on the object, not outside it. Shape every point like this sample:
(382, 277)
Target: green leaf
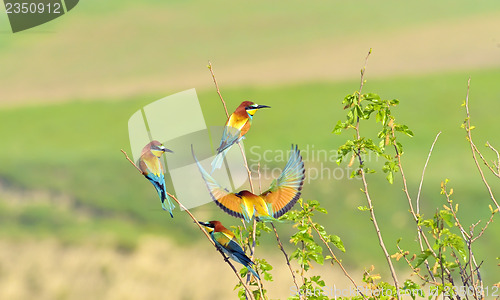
(268, 277)
(414, 288)
(399, 146)
(337, 242)
(371, 97)
(390, 177)
(394, 102)
(422, 257)
(321, 210)
(363, 208)
(458, 243)
(447, 217)
(338, 128)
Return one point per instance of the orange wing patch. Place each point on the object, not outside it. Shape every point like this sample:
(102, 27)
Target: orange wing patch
(230, 203)
(281, 200)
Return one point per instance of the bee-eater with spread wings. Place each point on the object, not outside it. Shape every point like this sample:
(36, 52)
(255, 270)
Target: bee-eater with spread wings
(224, 239)
(268, 206)
(237, 126)
(153, 170)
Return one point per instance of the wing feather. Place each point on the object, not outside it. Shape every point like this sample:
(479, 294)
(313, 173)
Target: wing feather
(285, 191)
(228, 202)
(232, 131)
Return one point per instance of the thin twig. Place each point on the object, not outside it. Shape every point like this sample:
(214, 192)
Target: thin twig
(365, 188)
(334, 257)
(258, 173)
(469, 239)
(217, 87)
(286, 257)
(249, 173)
(474, 148)
(226, 259)
(252, 246)
(423, 173)
(126, 156)
(483, 229)
(415, 271)
(486, 162)
(497, 163)
(420, 232)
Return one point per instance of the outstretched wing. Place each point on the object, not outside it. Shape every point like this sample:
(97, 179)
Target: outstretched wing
(285, 191)
(230, 203)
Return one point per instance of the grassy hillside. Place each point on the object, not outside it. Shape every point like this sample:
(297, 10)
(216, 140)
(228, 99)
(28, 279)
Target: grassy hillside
(77, 221)
(123, 48)
(63, 175)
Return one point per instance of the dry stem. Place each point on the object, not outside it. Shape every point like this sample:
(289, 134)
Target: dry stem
(474, 149)
(217, 87)
(226, 259)
(286, 257)
(367, 194)
(420, 233)
(335, 257)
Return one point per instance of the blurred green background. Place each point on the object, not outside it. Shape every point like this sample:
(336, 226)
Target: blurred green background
(76, 220)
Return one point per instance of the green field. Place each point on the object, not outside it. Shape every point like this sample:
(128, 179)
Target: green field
(71, 151)
(68, 88)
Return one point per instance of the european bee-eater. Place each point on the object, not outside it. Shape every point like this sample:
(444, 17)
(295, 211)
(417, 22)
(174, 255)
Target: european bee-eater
(268, 206)
(153, 170)
(224, 239)
(236, 127)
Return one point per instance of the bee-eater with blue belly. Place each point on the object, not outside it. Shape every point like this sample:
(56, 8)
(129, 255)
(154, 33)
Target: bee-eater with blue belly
(268, 206)
(224, 239)
(153, 170)
(236, 127)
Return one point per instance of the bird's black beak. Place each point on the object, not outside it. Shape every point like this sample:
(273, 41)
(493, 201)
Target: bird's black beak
(262, 106)
(167, 150)
(206, 224)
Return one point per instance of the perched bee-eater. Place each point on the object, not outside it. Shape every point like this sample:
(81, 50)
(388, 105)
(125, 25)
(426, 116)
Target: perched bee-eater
(237, 126)
(153, 170)
(224, 239)
(268, 206)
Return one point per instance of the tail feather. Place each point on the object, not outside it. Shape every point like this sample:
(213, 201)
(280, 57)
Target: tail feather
(170, 206)
(253, 272)
(219, 158)
(244, 260)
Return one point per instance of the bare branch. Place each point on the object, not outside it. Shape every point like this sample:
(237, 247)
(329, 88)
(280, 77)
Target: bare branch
(423, 173)
(226, 259)
(415, 271)
(286, 257)
(497, 163)
(335, 257)
(365, 187)
(474, 149)
(217, 87)
(126, 156)
(420, 232)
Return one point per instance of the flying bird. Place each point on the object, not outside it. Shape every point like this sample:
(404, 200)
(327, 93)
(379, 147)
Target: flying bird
(236, 127)
(224, 240)
(153, 170)
(268, 206)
